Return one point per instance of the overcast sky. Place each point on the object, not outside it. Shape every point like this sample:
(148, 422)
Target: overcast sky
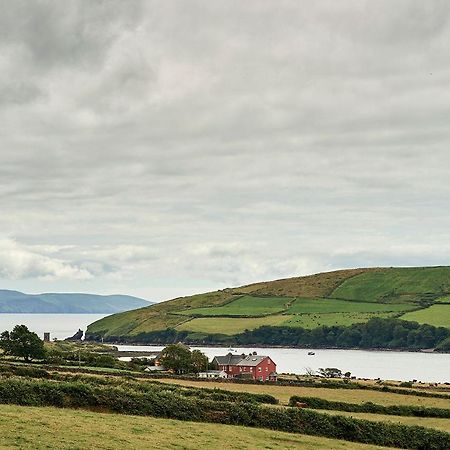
(162, 148)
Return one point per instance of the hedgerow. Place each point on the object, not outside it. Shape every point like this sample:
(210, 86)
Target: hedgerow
(168, 404)
(369, 407)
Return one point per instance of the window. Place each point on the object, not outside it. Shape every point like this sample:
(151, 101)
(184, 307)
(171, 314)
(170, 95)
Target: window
(259, 369)
(267, 369)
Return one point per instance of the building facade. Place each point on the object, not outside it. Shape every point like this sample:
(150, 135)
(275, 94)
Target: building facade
(256, 367)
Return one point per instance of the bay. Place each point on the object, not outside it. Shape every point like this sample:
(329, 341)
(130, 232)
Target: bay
(59, 326)
(386, 365)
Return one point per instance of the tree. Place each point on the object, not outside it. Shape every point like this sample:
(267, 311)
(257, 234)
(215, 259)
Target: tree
(330, 372)
(23, 343)
(176, 357)
(199, 361)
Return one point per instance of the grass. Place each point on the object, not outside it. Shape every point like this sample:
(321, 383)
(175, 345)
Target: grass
(228, 325)
(396, 284)
(52, 428)
(311, 321)
(437, 315)
(369, 291)
(283, 393)
(244, 306)
(327, 305)
(428, 422)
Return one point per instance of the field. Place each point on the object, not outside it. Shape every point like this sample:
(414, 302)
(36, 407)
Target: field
(228, 325)
(408, 284)
(342, 297)
(311, 321)
(437, 315)
(327, 305)
(51, 428)
(244, 306)
(283, 393)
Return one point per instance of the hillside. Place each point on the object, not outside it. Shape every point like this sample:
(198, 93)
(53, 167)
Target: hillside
(18, 302)
(338, 298)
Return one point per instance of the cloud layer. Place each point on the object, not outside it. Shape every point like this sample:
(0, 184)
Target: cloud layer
(161, 148)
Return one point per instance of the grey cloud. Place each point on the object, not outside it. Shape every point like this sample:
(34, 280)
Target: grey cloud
(173, 147)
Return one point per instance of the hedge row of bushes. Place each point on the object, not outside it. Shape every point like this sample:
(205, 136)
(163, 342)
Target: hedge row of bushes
(322, 383)
(36, 372)
(170, 405)
(147, 386)
(369, 407)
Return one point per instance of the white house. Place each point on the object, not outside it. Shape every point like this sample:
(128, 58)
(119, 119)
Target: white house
(213, 374)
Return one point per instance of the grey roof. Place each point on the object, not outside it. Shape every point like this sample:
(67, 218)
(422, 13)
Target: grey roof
(228, 360)
(251, 360)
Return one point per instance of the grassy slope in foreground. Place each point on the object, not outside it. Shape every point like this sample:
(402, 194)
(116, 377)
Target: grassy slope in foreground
(43, 428)
(362, 287)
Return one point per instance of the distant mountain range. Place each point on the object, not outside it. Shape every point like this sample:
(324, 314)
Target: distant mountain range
(18, 302)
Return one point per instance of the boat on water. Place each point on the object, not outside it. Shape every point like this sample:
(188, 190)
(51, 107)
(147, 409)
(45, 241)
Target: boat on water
(311, 353)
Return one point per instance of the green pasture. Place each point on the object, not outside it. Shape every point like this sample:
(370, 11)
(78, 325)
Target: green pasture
(243, 306)
(437, 315)
(311, 321)
(230, 325)
(396, 284)
(327, 305)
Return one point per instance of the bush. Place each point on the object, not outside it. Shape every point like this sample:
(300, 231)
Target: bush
(369, 407)
(163, 403)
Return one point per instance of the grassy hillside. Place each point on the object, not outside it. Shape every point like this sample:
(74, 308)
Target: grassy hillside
(342, 297)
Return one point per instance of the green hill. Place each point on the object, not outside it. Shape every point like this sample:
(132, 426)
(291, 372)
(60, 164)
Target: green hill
(342, 297)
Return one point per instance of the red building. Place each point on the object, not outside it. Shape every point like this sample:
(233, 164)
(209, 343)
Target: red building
(254, 366)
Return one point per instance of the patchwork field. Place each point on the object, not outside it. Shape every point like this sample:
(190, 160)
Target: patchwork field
(396, 284)
(311, 321)
(437, 315)
(228, 325)
(339, 298)
(53, 428)
(244, 306)
(330, 305)
(283, 393)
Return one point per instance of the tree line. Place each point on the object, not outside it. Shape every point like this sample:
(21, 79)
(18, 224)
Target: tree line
(376, 333)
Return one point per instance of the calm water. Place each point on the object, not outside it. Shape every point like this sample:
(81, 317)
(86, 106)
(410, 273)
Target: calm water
(363, 364)
(403, 366)
(59, 325)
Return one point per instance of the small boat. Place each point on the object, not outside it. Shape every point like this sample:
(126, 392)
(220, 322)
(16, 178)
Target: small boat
(311, 353)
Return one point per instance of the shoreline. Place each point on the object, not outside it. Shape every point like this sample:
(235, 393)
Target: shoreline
(159, 344)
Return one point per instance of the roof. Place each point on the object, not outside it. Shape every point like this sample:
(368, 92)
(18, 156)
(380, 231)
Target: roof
(228, 360)
(215, 372)
(251, 360)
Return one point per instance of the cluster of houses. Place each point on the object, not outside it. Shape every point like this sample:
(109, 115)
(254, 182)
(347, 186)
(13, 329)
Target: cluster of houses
(253, 366)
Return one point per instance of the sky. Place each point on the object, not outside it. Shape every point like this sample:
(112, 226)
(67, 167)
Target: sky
(164, 148)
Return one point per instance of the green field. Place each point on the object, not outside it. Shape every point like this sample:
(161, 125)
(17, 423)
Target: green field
(40, 428)
(283, 393)
(437, 315)
(327, 305)
(342, 297)
(311, 321)
(228, 325)
(244, 306)
(396, 284)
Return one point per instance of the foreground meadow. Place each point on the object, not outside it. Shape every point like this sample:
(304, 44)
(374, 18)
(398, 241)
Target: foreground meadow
(52, 428)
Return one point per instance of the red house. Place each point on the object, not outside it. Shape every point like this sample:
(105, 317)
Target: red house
(254, 366)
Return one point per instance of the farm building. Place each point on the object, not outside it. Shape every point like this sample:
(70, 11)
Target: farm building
(213, 374)
(254, 366)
